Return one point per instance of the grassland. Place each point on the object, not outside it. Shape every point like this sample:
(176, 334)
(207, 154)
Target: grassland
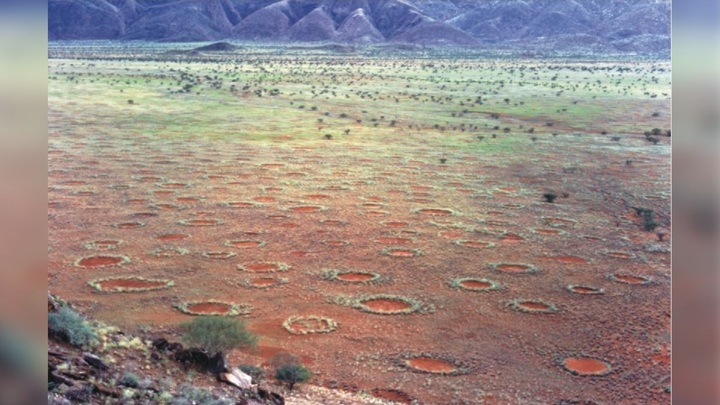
(372, 150)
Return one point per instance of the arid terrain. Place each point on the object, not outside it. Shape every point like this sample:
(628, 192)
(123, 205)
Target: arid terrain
(444, 228)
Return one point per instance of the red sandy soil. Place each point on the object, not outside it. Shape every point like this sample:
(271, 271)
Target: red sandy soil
(513, 357)
(129, 283)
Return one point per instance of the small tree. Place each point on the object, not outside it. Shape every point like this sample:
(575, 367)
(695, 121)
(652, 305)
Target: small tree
(292, 374)
(550, 197)
(217, 334)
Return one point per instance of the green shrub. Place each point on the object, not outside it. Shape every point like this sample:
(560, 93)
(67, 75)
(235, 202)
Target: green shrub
(71, 326)
(130, 380)
(292, 374)
(216, 334)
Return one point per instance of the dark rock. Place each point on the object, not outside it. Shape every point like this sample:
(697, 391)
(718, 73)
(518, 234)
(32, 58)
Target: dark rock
(216, 47)
(80, 395)
(95, 361)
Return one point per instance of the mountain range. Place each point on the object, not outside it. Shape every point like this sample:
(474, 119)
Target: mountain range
(601, 25)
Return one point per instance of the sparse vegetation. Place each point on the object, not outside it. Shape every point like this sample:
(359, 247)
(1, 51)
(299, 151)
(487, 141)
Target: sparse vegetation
(71, 327)
(291, 374)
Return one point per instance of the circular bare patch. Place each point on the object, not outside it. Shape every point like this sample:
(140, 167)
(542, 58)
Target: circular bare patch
(263, 267)
(303, 325)
(129, 225)
(514, 268)
(585, 289)
(201, 222)
(558, 222)
(103, 244)
(533, 306)
(241, 204)
(388, 240)
(212, 307)
(511, 238)
(168, 251)
(264, 282)
(401, 252)
(444, 212)
(307, 208)
(129, 284)
(474, 284)
(546, 231)
(172, 236)
(433, 364)
(245, 244)
(351, 276)
(385, 304)
(586, 366)
(218, 255)
(102, 261)
(475, 244)
(395, 224)
(630, 279)
(333, 222)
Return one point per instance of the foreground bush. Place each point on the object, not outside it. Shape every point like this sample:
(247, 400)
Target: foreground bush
(292, 374)
(70, 326)
(218, 334)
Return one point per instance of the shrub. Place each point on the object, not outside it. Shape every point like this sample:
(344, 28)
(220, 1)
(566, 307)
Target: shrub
(216, 334)
(71, 326)
(130, 380)
(292, 374)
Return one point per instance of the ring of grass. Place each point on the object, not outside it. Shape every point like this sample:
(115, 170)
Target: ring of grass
(335, 243)
(559, 360)
(415, 305)
(123, 261)
(187, 222)
(388, 251)
(530, 268)
(452, 213)
(219, 255)
(279, 267)
(96, 284)
(457, 283)
(169, 251)
(247, 283)
(462, 243)
(229, 243)
(331, 325)
(123, 225)
(616, 277)
(592, 290)
(556, 222)
(234, 309)
(460, 367)
(515, 304)
(332, 275)
(558, 233)
(241, 204)
(98, 245)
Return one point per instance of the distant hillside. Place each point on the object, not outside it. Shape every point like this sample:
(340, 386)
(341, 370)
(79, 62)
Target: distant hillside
(604, 25)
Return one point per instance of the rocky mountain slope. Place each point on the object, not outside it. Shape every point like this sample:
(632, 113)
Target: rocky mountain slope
(602, 25)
